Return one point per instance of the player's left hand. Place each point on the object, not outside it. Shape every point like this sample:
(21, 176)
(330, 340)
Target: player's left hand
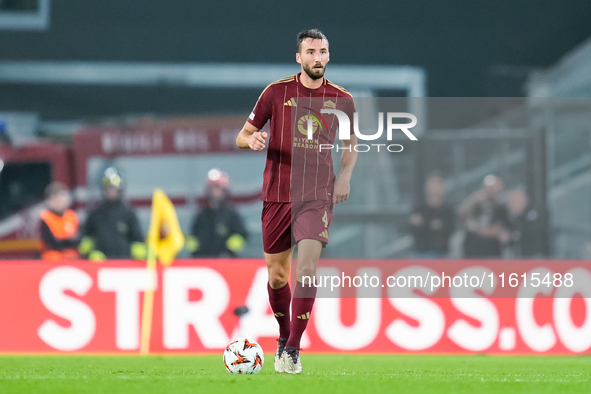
(341, 190)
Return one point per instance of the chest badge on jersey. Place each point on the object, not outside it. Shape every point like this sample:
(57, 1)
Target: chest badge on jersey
(330, 104)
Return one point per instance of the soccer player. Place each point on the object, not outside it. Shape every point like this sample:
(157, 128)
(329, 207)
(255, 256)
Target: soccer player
(298, 204)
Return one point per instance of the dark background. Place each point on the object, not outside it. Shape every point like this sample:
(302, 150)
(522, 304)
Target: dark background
(468, 48)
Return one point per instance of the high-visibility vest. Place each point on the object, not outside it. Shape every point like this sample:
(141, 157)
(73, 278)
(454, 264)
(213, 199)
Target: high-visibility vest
(62, 227)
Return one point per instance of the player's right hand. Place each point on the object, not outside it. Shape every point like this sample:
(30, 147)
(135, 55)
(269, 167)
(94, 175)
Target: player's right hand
(256, 141)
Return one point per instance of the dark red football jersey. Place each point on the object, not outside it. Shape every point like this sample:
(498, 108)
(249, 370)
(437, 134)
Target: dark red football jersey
(296, 168)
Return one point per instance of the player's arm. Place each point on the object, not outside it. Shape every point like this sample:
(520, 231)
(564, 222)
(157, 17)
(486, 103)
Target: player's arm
(250, 137)
(342, 185)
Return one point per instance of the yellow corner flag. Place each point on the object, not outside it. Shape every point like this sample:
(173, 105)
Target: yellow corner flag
(165, 239)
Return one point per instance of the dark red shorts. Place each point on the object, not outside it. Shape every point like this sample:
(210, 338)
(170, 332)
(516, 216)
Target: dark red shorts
(287, 223)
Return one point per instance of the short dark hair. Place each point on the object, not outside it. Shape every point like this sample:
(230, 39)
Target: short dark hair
(314, 34)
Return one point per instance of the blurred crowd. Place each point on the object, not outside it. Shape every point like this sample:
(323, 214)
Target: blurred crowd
(112, 229)
(489, 223)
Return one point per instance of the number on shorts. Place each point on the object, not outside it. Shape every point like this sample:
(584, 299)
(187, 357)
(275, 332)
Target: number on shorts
(325, 219)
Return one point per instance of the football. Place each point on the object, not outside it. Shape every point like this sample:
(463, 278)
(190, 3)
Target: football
(244, 357)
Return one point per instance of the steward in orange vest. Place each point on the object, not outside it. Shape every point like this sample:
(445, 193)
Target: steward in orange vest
(59, 226)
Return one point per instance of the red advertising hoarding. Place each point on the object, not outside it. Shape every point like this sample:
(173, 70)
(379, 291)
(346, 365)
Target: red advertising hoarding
(96, 308)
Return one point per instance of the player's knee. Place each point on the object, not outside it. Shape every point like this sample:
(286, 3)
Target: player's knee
(278, 277)
(277, 282)
(308, 270)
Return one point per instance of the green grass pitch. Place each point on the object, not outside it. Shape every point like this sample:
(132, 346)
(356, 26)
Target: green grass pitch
(322, 374)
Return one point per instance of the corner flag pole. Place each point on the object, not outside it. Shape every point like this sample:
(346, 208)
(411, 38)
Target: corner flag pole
(148, 305)
(165, 239)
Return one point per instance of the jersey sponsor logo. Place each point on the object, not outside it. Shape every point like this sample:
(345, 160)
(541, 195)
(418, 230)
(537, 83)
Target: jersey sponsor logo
(290, 103)
(303, 124)
(315, 115)
(309, 122)
(303, 142)
(251, 117)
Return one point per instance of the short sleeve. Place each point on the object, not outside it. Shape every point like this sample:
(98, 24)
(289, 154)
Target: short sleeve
(349, 109)
(262, 110)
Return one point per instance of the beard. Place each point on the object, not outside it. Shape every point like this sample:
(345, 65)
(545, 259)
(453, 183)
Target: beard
(314, 73)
